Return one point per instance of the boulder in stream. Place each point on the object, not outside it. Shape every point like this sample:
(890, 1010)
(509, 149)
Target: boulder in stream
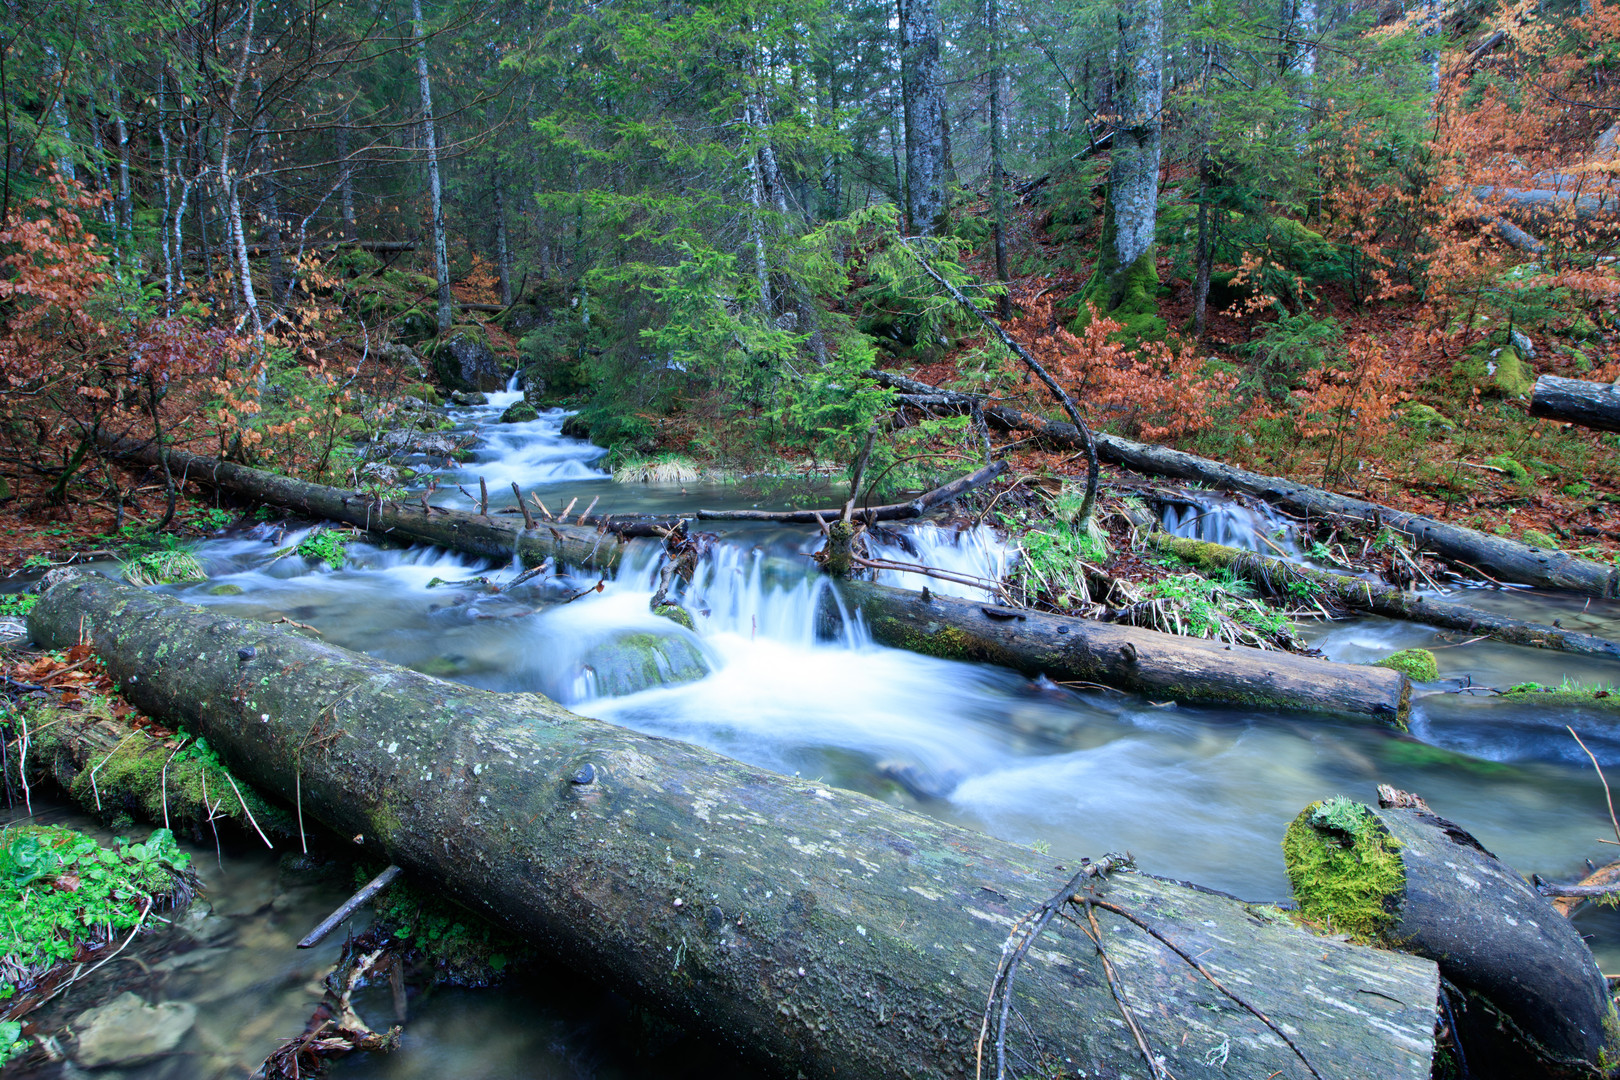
(631, 662)
(128, 1031)
(519, 412)
(466, 362)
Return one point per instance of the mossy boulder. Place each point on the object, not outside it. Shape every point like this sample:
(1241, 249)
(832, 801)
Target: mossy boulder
(1419, 665)
(225, 589)
(1345, 869)
(631, 662)
(464, 361)
(426, 393)
(519, 412)
(1426, 418)
(466, 398)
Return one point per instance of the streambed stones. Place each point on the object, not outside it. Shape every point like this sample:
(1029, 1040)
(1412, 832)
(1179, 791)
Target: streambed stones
(128, 1031)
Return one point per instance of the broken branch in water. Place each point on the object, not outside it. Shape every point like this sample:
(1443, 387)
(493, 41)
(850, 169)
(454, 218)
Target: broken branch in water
(347, 908)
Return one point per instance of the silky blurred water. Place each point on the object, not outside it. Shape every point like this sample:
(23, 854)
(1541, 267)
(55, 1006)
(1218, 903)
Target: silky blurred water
(768, 675)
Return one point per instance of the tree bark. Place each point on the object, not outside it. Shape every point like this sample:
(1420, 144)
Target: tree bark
(351, 231)
(503, 251)
(441, 257)
(1134, 170)
(1275, 577)
(1590, 404)
(1189, 670)
(998, 174)
(925, 116)
(1493, 555)
(852, 940)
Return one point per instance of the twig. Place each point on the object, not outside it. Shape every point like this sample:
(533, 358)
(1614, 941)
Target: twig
(248, 812)
(299, 625)
(163, 781)
(588, 509)
(81, 973)
(1115, 988)
(1607, 794)
(528, 518)
(366, 892)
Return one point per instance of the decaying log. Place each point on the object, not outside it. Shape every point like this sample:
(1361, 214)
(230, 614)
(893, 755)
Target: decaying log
(1594, 405)
(1276, 575)
(1146, 661)
(1497, 556)
(1604, 881)
(892, 512)
(475, 534)
(1544, 204)
(818, 929)
(1424, 885)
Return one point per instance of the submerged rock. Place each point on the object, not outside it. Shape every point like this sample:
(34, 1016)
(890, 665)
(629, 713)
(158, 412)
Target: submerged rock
(128, 1031)
(633, 662)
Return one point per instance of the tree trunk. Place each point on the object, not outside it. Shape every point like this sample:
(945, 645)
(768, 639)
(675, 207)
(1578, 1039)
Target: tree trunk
(998, 173)
(1134, 169)
(230, 184)
(852, 940)
(1590, 404)
(1205, 254)
(1275, 576)
(1189, 670)
(59, 116)
(441, 257)
(1493, 555)
(925, 116)
(503, 251)
(351, 231)
(1453, 902)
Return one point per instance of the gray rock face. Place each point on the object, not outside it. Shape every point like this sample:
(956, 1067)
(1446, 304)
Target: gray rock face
(469, 360)
(465, 398)
(431, 443)
(128, 1031)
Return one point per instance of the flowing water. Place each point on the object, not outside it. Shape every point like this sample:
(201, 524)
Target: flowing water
(1195, 793)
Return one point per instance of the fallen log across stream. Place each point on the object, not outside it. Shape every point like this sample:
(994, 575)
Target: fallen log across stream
(1160, 665)
(1491, 556)
(1279, 578)
(818, 929)
(1163, 665)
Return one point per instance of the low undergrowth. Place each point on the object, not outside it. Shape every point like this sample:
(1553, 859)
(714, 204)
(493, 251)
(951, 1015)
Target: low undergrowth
(444, 942)
(61, 892)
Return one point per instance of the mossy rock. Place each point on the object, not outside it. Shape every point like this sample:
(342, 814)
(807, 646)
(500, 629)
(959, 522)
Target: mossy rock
(520, 412)
(425, 392)
(1583, 329)
(1504, 375)
(1426, 417)
(1345, 869)
(1419, 665)
(632, 662)
(1511, 469)
(225, 589)
(676, 614)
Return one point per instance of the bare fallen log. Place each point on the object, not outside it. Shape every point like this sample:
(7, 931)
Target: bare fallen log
(476, 534)
(1594, 405)
(851, 940)
(386, 247)
(1277, 577)
(1146, 661)
(1422, 884)
(1545, 204)
(1496, 556)
(892, 512)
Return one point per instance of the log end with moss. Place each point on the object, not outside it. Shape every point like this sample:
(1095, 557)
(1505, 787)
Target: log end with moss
(1419, 665)
(1402, 877)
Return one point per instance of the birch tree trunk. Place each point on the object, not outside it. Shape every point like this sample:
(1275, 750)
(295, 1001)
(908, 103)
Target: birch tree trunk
(441, 257)
(998, 173)
(59, 117)
(925, 115)
(503, 253)
(230, 183)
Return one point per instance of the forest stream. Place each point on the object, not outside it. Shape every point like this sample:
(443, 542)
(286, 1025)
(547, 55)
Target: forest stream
(1200, 794)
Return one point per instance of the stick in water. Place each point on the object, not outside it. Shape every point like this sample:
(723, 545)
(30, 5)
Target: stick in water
(367, 891)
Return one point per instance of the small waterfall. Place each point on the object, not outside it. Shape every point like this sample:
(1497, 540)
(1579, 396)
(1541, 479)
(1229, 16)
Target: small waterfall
(512, 384)
(979, 553)
(1219, 520)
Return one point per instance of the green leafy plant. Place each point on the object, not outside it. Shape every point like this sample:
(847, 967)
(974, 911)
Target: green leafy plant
(17, 604)
(325, 545)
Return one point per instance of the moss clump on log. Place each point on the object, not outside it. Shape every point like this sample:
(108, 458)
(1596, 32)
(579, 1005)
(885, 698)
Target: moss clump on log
(1344, 867)
(1569, 695)
(1419, 665)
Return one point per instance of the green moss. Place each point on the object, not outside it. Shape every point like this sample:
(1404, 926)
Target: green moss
(1568, 695)
(1538, 540)
(1411, 753)
(225, 589)
(519, 412)
(1130, 298)
(1345, 869)
(1426, 417)
(17, 605)
(676, 614)
(1419, 665)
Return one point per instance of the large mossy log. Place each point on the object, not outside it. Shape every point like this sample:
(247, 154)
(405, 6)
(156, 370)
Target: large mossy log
(1280, 578)
(1147, 661)
(1404, 876)
(1576, 401)
(819, 929)
(476, 534)
(1495, 556)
